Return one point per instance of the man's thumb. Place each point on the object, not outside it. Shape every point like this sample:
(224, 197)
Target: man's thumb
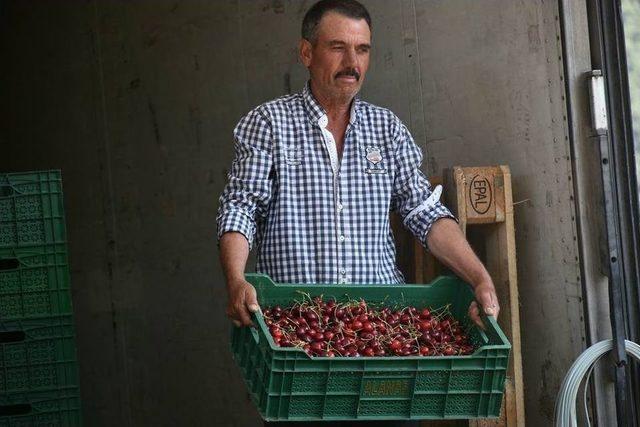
(252, 300)
(487, 304)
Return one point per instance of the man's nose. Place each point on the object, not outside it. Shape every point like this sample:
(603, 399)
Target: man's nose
(350, 58)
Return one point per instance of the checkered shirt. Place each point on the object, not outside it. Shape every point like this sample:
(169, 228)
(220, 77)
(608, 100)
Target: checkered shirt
(312, 217)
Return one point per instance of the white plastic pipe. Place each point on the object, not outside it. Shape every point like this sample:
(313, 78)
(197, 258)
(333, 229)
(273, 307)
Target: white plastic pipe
(565, 412)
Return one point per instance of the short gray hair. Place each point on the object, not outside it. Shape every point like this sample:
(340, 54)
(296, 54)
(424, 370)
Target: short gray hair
(349, 8)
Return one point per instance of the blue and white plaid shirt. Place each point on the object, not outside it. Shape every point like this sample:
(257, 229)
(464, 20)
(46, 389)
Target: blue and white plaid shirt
(313, 218)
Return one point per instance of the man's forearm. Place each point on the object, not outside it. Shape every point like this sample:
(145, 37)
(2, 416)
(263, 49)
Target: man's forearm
(234, 252)
(447, 243)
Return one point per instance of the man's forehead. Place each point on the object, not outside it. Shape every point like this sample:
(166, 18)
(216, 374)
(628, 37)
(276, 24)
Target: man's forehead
(336, 27)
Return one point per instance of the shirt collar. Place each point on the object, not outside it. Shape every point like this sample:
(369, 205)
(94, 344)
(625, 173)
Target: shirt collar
(318, 114)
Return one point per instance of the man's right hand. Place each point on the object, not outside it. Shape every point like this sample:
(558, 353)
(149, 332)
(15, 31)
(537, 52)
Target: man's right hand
(242, 302)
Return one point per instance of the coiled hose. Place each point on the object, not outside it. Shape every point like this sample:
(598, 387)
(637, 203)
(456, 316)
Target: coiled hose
(565, 411)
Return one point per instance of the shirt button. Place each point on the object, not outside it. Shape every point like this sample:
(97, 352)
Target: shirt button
(340, 206)
(341, 238)
(343, 271)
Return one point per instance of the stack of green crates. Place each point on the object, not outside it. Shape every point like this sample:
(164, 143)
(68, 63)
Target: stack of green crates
(38, 365)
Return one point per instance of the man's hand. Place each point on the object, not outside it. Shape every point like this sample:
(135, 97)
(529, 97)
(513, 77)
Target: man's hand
(242, 302)
(448, 244)
(488, 301)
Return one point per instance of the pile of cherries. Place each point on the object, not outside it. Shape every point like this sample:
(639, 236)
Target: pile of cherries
(356, 329)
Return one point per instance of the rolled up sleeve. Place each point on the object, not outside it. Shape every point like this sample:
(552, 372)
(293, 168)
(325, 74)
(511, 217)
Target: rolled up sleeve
(413, 198)
(245, 198)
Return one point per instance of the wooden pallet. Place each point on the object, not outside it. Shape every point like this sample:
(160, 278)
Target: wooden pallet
(481, 199)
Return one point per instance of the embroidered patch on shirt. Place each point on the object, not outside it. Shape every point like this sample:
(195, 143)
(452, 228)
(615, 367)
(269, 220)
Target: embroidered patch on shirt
(374, 157)
(293, 155)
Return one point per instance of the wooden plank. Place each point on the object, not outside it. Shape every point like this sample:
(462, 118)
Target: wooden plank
(507, 248)
(501, 264)
(482, 197)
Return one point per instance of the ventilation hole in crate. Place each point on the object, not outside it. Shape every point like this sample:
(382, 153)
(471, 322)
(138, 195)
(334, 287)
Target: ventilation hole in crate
(10, 282)
(42, 351)
(10, 306)
(14, 410)
(14, 354)
(7, 212)
(9, 264)
(432, 404)
(43, 377)
(466, 380)
(7, 234)
(344, 381)
(462, 404)
(398, 408)
(34, 279)
(309, 382)
(306, 406)
(13, 336)
(31, 232)
(432, 381)
(341, 406)
(28, 207)
(17, 379)
(36, 304)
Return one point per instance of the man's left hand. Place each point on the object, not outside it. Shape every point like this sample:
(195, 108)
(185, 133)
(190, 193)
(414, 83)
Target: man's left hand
(487, 300)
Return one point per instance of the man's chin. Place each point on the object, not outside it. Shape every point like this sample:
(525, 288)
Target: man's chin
(348, 88)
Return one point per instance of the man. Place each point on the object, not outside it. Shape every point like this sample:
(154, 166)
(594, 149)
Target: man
(316, 174)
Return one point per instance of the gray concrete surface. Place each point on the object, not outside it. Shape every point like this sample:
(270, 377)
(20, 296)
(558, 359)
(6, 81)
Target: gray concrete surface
(136, 101)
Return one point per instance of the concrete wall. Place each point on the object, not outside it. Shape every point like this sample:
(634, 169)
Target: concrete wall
(135, 102)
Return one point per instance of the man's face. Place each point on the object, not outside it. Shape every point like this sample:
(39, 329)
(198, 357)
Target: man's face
(339, 57)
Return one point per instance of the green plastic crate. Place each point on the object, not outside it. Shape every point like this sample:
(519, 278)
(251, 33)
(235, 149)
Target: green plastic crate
(34, 283)
(288, 385)
(37, 355)
(59, 408)
(31, 209)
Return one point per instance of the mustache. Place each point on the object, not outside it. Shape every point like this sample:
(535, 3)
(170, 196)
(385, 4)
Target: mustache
(349, 72)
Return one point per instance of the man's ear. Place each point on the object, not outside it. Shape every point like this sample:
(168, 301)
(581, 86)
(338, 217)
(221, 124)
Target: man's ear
(305, 52)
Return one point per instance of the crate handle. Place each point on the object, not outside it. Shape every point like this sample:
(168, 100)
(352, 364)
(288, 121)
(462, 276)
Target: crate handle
(493, 335)
(11, 336)
(9, 264)
(255, 334)
(11, 410)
